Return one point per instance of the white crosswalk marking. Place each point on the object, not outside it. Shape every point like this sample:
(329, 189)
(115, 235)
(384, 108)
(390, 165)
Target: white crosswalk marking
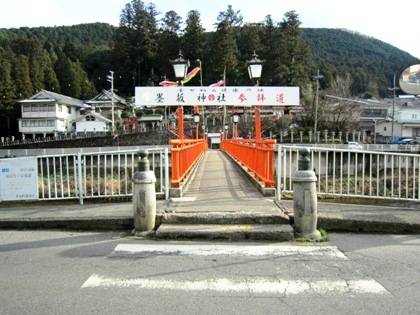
(251, 250)
(254, 286)
(242, 284)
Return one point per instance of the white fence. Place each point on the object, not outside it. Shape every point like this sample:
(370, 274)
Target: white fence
(354, 173)
(97, 174)
(340, 172)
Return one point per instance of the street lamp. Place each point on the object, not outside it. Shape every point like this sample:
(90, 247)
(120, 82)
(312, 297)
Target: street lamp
(226, 130)
(196, 120)
(254, 70)
(180, 68)
(235, 125)
(255, 67)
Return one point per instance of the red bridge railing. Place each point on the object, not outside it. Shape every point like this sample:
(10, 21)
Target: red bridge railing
(185, 153)
(256, 155)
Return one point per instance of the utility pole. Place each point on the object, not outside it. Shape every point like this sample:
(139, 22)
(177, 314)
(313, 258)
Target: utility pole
(317, 78)
(202, 107)
(111, 79)
(393, 89)
(224, 107)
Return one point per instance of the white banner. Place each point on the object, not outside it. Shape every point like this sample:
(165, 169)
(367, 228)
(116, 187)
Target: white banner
(18, 179)
(217, 96)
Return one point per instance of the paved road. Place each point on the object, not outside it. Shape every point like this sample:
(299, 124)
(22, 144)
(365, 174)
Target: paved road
(108, 273)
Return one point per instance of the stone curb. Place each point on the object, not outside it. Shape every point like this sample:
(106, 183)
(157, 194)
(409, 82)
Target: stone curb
(367, 226)
(76, 224)
(126, 223)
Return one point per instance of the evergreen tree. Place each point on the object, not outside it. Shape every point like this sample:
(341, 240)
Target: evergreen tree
(224, 54)
(169, 43)
(38, 59)
(271, 50)
(193, 43)
(85, 89)
(67, 76)
(232, 17)
(21, 77)
(50, 80)
(137, 41)
(249, 40)
(172, 23)
(9, 111)
(295, 53)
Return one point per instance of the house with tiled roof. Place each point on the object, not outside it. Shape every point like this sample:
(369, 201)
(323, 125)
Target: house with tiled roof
(48, 113)
(103, 103)
(91, 122)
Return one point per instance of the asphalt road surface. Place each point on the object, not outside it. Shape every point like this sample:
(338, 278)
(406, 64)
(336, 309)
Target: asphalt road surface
(50, 272)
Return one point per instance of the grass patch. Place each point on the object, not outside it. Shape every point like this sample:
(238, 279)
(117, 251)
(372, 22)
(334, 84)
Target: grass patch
(324, 237)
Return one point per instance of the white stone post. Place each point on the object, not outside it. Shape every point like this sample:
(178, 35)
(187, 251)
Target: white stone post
(144, 196)
(305, 203)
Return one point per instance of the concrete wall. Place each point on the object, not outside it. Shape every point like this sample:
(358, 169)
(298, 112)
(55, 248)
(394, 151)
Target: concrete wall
(135, 139)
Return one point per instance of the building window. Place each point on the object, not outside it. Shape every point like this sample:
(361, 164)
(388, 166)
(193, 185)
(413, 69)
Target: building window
(414, 116)
(90, 118)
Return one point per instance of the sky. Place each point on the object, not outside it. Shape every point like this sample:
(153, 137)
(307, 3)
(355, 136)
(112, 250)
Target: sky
(391, 22)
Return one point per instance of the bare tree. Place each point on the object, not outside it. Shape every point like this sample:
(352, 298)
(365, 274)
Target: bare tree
(340, 113)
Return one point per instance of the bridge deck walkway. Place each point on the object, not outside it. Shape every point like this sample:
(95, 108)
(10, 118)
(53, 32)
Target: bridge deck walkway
(218, 185)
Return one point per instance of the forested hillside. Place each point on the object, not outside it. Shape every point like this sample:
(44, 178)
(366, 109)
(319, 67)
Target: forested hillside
(75, 60)
(368, 60)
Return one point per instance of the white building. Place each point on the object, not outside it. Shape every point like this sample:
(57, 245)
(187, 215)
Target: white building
(92, 122)
(105, 101)
(406, 121)
(48, 114)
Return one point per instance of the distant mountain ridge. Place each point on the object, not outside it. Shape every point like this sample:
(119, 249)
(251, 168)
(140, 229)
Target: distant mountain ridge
(75, 61)
(333, 50)
(359, 54)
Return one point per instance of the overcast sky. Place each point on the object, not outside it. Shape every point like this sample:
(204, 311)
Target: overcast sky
(396, 23)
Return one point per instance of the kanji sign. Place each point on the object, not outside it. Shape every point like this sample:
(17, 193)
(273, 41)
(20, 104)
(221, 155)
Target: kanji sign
(218, 96)
(18, 179)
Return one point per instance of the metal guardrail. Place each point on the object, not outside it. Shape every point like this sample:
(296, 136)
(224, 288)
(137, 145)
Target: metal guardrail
(340, 172)
(106, 174)
(354, 173)
(185, 154)
(256, 155)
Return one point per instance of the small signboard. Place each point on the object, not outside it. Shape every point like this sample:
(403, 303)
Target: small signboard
(18, 179)
(217, 96)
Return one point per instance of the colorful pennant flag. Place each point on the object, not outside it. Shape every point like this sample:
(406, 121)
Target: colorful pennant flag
(168, 83)
(220, 83)
(191, 75)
